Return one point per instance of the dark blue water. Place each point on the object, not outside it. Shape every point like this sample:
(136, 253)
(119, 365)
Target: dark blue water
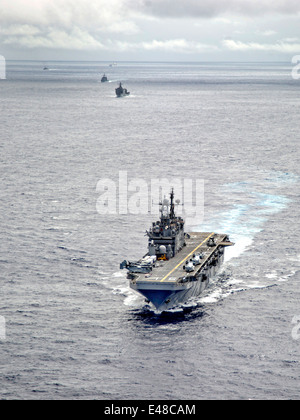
(73, 328)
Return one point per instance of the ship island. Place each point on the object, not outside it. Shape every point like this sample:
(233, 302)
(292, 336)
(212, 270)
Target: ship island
(178, 264)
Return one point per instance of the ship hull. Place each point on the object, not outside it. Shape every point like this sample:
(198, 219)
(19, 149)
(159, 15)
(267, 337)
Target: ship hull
(121, 95)
(165, 296)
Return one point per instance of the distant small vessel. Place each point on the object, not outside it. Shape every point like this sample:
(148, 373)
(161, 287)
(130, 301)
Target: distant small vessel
(45, 68)
(120, 91)
(104, 78)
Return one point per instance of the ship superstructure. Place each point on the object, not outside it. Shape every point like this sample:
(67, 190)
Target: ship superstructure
(166, 236)
(178, 265)
(121, 91)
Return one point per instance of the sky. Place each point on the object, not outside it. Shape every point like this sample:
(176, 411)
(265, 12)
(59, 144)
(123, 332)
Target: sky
(150, 30)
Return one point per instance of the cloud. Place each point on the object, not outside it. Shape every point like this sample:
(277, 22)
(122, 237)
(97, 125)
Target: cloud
(77, 40)
(56, 39)
(19, 30)
(178, 45)
(280, 46)
(111, 14)
(63, 24)
(102, 15)
(115, 24)
(174, 45)
(267, 32)
(211, 8)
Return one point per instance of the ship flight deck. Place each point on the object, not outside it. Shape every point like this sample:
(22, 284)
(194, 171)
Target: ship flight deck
(172, 271)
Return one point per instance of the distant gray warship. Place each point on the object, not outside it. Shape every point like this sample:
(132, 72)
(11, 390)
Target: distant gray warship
(104, 78)
(178, 265)
(120, 91)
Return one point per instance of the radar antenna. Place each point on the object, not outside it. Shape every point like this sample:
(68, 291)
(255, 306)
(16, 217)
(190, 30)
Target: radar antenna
(172, 205)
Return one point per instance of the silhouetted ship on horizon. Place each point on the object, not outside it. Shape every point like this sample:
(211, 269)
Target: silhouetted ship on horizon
(104, 78)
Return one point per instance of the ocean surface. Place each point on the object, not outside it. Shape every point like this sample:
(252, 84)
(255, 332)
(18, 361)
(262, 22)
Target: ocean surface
(71, 328)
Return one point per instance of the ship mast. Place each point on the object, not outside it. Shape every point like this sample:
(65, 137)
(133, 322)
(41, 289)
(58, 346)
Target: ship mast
(167, 209)
(172, 206)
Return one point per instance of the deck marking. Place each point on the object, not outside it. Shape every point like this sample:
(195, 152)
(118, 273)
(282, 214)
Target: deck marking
(187, 257)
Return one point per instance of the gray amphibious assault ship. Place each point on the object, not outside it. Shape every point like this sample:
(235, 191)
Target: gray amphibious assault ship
(178, 265)
(120, 91)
